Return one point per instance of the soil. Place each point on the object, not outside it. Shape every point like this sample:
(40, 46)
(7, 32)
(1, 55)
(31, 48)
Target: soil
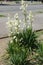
(3, 46)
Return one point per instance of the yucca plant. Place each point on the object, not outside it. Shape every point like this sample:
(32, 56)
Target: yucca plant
(23, 41)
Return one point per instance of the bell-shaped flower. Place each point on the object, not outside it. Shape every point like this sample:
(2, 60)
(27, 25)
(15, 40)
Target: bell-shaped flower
(16, 16)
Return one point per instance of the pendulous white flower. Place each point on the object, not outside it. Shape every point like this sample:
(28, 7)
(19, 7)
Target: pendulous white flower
(16, 16)
(28, 26)
(16, 23)
(9, 24)
(14, 37)
(11, 41)
(20, 21)
(22, 2)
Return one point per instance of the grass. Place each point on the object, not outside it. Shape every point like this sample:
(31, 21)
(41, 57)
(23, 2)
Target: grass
(40, 35)
(2, 15)
(39, 32)
(35, 3)
(15, 2)
(39, 11)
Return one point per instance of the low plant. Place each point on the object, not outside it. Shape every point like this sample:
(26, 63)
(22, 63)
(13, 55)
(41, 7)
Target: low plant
(23, 44)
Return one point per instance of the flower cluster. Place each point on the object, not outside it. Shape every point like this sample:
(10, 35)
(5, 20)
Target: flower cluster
(23, 6)
(14, 24)
(31, 18)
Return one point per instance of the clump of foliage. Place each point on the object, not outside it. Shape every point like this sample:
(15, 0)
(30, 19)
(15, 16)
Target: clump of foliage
(16, 55)
(23, 44)
(28, 39)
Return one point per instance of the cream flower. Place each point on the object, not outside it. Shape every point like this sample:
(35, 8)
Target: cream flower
(11, 41)
(23, 6)
(22, 2)
(16, 28)
(9, 24)
(14, 37)
(20, 21)
(16, 16)
(28, 26)
(16, 23)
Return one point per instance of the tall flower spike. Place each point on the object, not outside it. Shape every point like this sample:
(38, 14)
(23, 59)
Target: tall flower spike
(16, 19)
(22, 1)
(31, 18)
(23, 6)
